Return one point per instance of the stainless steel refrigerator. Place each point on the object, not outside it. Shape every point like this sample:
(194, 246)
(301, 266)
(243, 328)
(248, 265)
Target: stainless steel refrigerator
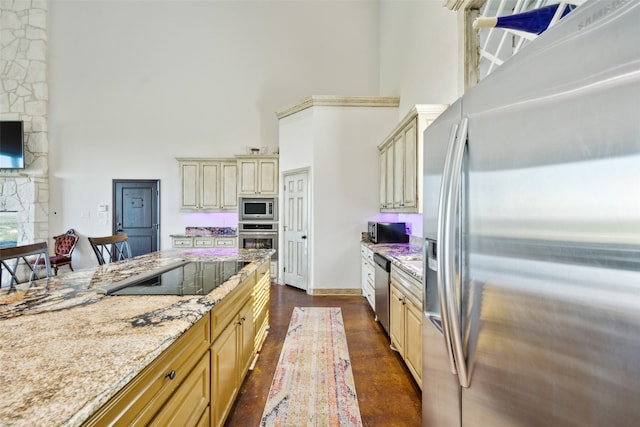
(532, 235)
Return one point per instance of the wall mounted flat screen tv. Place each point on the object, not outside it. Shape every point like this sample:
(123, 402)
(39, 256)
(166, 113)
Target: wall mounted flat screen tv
(11, 145)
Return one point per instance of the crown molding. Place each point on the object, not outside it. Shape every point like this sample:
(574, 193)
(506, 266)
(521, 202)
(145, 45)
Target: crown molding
(339, 101)
(456, 5)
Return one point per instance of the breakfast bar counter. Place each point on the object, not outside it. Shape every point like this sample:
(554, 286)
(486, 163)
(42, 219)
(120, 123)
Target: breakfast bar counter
(66, 349)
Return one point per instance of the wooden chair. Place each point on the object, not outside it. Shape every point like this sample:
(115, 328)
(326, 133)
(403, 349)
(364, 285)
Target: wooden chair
(111, 248)
(31, 255)
(64, 245)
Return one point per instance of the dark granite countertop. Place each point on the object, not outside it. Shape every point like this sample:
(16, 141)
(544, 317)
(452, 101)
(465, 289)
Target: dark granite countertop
(66, 350)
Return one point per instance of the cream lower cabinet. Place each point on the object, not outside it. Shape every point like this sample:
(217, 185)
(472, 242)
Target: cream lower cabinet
(189, 405)
(261, 301)
(233, 348)
(195, 381)
(204, 242)
(405, 324)
(231, 356)
(208, 184)
(179, 376)
(367, 275)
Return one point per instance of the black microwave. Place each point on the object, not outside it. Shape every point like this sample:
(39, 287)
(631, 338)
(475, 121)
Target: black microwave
(388, 232)
(258, 208)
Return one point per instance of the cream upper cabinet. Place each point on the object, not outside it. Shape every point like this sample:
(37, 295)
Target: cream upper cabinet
(401, 160)
(409, 177)
(386, 176)
(382, 166)
(229, 185)
(399, 170)
(258, 175)
(208, 184)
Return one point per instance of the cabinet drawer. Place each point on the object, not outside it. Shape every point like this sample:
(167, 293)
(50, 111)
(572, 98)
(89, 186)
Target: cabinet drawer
(263, 269)
(226, 242)
(369, 294)
(189, 402)
(182, 242)
(370, 273)
(203, 242)
(412, 286)
(366, 252)
(146, 394)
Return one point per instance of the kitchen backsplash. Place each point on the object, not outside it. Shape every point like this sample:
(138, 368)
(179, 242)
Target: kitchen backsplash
(211, 231)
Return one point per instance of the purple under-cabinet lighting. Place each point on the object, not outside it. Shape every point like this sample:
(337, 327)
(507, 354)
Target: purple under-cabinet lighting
(213, 219)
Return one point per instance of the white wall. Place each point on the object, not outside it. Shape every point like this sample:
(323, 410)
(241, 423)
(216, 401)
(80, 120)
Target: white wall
(296, 145)
(134, 84)
(345, 188)
(418, 52)
(339, 144)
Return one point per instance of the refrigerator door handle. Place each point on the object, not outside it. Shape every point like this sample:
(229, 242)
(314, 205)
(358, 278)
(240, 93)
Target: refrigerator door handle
(435, 320)
(449, 247)
(442, 291)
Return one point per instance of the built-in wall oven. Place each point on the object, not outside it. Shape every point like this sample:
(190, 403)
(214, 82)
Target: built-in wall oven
(260, 235)
(258, 226)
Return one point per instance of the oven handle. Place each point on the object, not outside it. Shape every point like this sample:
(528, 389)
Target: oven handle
(257, 234)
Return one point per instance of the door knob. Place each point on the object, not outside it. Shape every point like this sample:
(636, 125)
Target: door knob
(303, 237)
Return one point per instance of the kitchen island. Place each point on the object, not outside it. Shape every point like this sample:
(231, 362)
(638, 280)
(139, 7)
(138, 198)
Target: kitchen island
(67, 350)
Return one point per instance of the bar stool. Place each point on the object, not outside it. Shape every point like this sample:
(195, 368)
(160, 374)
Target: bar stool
(33, 255)
(111, 248)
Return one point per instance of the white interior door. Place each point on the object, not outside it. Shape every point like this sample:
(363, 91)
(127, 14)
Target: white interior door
(296, 224)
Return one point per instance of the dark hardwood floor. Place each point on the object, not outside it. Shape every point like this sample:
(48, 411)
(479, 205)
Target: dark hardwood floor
(387, 394)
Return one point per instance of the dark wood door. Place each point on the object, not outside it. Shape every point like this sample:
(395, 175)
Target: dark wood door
(136, 212)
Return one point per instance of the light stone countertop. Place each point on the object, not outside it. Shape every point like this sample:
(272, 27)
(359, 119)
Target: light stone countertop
(398, 254)
(65, 350)
(207, 232)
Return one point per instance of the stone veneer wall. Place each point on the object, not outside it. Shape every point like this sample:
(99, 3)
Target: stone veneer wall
(24, 96)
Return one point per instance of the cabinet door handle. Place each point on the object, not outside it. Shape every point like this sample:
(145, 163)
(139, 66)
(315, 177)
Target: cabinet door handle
(171, 375)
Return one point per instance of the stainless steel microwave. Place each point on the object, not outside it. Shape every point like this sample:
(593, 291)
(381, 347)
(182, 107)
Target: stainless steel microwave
(258, 208)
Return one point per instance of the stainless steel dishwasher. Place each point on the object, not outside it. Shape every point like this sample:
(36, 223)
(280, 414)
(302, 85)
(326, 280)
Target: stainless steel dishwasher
(382, 269)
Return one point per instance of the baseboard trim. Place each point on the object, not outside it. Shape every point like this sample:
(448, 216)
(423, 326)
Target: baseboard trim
(335, 291)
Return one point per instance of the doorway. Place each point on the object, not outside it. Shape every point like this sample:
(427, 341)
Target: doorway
(295, 253)
(136, 211)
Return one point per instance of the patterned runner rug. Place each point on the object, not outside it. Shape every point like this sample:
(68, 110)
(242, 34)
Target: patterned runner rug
(313, 383)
